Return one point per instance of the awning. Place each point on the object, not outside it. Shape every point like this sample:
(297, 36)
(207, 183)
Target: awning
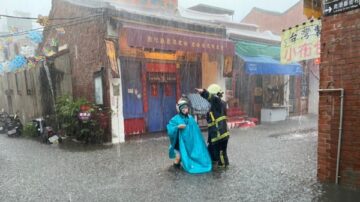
(265, 65)
(254, 49)
(170, 40)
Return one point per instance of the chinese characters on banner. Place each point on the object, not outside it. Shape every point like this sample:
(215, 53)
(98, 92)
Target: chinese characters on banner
(150, 38)
(301, 42)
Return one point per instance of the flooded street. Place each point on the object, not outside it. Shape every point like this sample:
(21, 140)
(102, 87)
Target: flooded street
(274, 85)
(274, 162)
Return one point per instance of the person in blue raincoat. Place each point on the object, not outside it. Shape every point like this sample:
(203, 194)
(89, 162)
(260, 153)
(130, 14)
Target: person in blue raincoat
(187, 145)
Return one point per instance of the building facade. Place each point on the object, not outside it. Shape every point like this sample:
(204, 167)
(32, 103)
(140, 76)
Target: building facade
(275, 21)
(250, 92)
(304, 97)
(339, 69)
(136, 63)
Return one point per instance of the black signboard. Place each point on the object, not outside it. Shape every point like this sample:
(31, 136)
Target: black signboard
(332, 7)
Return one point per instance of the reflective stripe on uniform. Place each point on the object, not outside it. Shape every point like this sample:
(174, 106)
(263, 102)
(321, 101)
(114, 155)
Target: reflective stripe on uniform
(219, 137)
(212, 117)
(221, 118)
(222, 159)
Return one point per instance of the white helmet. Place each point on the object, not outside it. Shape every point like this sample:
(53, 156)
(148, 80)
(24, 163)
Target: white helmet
(180, 104)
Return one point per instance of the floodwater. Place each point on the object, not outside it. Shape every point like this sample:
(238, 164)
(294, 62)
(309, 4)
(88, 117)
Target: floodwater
(271, 162)
(268, 163)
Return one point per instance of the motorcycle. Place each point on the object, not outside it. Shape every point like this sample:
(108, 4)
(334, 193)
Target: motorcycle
(46, 133)
(14, 126)
(3, 119)
(50, 137)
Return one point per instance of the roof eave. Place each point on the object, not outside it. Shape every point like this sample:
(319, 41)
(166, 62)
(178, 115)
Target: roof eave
(236, 37)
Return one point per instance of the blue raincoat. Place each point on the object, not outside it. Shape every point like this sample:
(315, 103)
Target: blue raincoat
(194, 154)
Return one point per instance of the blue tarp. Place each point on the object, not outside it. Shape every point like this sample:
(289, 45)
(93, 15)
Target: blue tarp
(265, 65)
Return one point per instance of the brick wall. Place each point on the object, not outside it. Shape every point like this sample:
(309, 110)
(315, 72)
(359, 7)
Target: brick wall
(85, 38)
(340, 68)
(276, 22)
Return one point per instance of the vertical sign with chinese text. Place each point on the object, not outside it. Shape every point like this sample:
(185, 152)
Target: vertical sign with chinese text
(301, 42)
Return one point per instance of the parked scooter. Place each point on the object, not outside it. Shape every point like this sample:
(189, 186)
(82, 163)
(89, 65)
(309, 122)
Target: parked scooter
(14, 126)
(2, 128)
(46, 133)
(3, 119)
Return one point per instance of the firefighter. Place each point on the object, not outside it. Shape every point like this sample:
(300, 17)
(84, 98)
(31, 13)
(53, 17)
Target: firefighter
(218, 134)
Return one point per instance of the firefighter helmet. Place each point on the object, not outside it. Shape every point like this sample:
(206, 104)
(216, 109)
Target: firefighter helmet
(214, 89)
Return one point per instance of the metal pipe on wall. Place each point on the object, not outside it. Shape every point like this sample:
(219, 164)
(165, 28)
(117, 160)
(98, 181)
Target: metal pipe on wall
(340, 128)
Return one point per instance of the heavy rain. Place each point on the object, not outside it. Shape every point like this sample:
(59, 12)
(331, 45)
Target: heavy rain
(179, 100)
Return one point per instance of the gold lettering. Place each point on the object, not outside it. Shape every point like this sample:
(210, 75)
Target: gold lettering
(168, 41)
(174, 42)
(217, 47)
(149, 39)
(162, 41)
(198, 44)
(208, 45)
(185, 43)
(213, 46)
(180, 43)
(156, 40)
(203, 45)
(193, 44)
(222, 47)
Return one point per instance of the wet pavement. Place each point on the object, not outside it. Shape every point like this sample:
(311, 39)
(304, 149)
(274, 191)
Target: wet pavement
(272, 162)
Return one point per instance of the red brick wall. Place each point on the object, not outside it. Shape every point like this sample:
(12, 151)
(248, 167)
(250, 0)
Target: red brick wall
(85, 40)
(340, 68)
(276, 22)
